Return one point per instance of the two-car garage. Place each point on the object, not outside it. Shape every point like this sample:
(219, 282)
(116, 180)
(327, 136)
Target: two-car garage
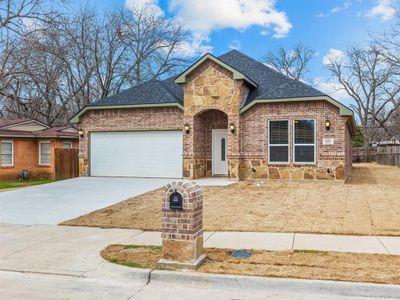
(136, 154)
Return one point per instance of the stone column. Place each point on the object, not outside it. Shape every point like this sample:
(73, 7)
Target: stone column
(182, 227)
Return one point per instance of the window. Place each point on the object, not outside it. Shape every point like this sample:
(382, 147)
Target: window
(223, 151)
(304, 141)
(67, 145)
(7, 153)
(278, 141)
(44, 153)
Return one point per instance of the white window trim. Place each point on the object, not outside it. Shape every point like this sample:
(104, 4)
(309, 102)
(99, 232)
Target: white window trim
(12, 153)
(269, 144)
(315, 142)
(40, 153)
(69, 143)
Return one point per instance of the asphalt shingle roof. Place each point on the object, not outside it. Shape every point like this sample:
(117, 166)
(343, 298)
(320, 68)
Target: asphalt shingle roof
(271, 85)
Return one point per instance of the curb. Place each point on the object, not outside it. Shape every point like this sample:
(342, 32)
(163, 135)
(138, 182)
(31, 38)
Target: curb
(296, 286)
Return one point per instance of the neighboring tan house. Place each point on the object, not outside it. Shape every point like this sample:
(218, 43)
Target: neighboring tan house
(29, 145)
(224, 116)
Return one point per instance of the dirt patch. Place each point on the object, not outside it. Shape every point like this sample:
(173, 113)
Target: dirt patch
(125, 255)
(376, 268)
(369, 204)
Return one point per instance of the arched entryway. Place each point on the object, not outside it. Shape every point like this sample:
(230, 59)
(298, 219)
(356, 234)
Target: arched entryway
(210, 144)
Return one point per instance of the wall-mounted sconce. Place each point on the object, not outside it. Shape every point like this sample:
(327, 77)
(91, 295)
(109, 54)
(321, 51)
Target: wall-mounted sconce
(81, 133)
(232, 127)
(328, 125)
(186, 127)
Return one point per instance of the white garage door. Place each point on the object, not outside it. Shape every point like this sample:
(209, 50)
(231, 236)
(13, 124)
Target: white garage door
(136, 154)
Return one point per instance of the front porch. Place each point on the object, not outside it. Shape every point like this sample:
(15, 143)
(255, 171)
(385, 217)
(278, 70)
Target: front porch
(208, 146)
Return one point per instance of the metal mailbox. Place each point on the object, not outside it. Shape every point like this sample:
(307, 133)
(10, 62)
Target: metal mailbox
(175, 201)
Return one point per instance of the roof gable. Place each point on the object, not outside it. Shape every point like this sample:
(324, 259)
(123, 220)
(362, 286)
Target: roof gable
(236, 74)
(24, 125)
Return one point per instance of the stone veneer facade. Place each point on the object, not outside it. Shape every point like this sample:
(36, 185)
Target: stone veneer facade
(212, 100)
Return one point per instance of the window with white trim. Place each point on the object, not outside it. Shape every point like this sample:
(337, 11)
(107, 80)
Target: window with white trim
(7, 153)
(44, 153)
(278, 145)
(304, 141)
(67, 145)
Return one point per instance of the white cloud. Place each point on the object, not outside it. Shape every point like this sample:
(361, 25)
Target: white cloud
(193, 47)
(334, 55)
(337, 9)
(206, 16)
(331, 88)
(385, 9)
(263, 32)
(148, 4)
(235, 45)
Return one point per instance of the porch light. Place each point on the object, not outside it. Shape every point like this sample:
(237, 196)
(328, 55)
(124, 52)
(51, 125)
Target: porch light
(327, 125)
(232, 127)
(81, 133)
(186, 127)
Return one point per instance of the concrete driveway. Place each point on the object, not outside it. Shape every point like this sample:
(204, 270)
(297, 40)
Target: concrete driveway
(56, 202)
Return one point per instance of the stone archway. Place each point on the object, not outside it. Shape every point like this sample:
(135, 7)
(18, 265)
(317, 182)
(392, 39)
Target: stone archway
(200, 163)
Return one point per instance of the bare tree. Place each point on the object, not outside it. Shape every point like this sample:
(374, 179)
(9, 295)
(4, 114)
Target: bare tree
(292, 63)
(153, 42)
(373, 82)
(59, 68)
(21, 16)
(18, 18)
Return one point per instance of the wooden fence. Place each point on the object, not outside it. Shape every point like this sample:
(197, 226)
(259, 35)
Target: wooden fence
(66, 163)
(385, 155)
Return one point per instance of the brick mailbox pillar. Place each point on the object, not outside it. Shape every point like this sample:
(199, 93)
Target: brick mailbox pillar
(182, 225)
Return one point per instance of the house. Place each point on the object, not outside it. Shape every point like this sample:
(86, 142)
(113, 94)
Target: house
(224, 116)
(30, 145)
(395, 140)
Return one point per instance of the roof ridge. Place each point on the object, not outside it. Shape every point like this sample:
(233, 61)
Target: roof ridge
(292, 80)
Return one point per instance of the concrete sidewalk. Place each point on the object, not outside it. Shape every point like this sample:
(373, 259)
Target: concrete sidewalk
(58, 262)
(286, 241)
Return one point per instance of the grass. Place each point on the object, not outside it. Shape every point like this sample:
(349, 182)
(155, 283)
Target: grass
(367, 205)
(25, 183)
(322, 265)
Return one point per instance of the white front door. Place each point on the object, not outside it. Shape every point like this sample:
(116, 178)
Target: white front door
(219, 150)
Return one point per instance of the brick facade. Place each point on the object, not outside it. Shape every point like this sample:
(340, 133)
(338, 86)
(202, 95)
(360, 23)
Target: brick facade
(138, 119)
(182, 229)
(330, 159)
(26, 156)
(212, 100)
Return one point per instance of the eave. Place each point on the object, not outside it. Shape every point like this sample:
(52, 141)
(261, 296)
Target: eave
(76, 118)
(344, 111)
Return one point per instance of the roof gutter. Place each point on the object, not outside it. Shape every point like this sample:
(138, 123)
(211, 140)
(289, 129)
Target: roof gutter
(76, 118)
(38, 137)
(344, 111)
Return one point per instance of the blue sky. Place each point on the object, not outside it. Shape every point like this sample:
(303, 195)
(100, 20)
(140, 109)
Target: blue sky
(258, 26)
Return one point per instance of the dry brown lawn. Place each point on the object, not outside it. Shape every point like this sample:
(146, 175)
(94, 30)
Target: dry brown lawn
(369, 204)
(377, 268)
